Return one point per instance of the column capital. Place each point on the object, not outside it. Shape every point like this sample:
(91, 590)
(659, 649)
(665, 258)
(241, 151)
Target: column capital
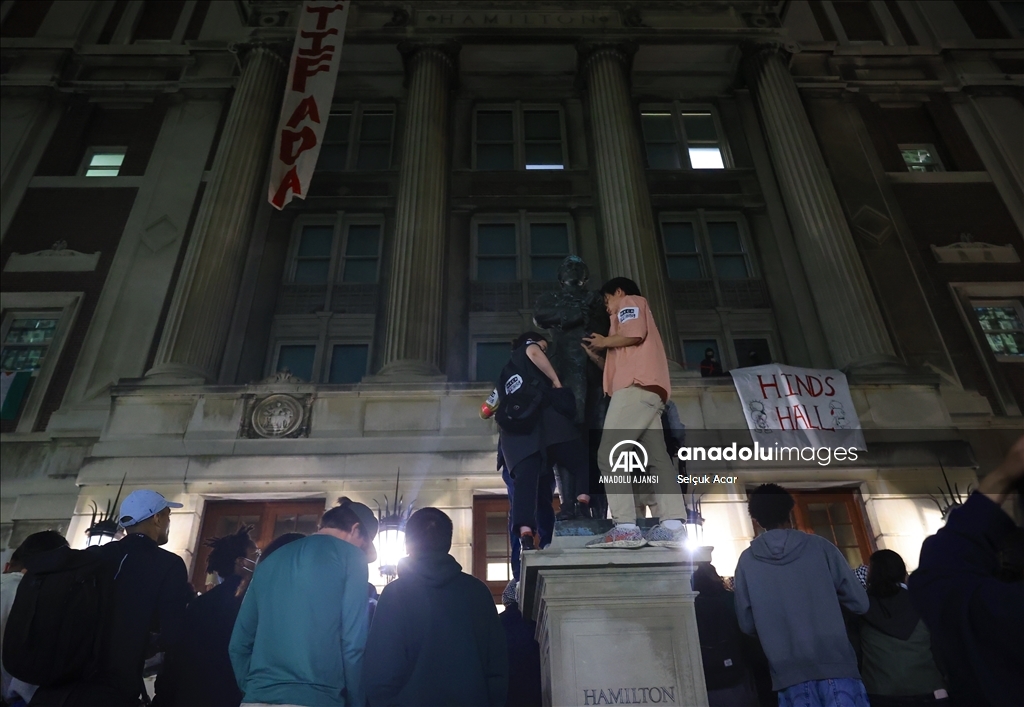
(279, 50)
(589, 51)
(445, 53)
(755, 51)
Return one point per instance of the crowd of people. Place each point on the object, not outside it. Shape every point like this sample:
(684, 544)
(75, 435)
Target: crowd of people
(299, 623)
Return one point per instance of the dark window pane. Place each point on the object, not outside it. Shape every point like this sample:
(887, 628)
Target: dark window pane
(684, 267)
(545, 269)
(752, 352)
(311, 272)
(731, 267)
(859, 22)
(24, 18)
(374, 156)
(332, 157)
(298, 359)
(657, 127)
(693, 352)
(700, 127)
(158, 19)
(496, 269)
(496, 239)
(494, 126)
(490, 359)
(679, 237)
(663, 156)
(376, 126)
(549, 239)
(316, 241)
(337, 127)
(359, 270)
(348, 363)
(542, 125)
(494, 157)
(725, 237)
(543, 153)
(363, 240)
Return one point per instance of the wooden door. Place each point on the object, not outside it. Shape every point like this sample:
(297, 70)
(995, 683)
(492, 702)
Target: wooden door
(492, 554)
(837, 516)
(270, 520)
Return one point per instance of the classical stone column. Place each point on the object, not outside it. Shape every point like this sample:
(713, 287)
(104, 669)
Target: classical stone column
(630, 239)
(193, 340)
(849, 313)
(412, 344)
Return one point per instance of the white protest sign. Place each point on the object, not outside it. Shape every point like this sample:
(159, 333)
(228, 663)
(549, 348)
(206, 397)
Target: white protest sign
(805, 405)
(308, 93)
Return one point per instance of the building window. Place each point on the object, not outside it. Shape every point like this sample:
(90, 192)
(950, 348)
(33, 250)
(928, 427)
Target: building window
(348, 363)
(296, 359)
(24, 17)
(544, 241)
(702, 243)
(921, 158)
(752, 352)
(158, 20)
(518, 137)
(358, 254)
(370, 129)
(835, 516)
(858, 21)
(103, 161)
(670, 132)
(694, 351)
(1002, 322)
(32, 334)
(491, 357)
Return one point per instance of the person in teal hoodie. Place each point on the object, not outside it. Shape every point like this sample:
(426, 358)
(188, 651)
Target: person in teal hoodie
(302, 627)
(436, 638)
(789, 588)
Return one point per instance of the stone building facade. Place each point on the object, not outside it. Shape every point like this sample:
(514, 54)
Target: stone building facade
(821, 184)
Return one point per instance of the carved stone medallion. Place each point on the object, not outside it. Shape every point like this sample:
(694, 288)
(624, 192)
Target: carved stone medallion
(277, 416)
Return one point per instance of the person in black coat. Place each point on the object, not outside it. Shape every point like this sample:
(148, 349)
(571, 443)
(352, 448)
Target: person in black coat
(436, 638)
(198, 673)
(524, 688)
(973, 608)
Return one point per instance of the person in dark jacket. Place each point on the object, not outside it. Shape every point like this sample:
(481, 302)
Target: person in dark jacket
(975, 616)
(897, 665)
(151, 592)
(726, 676)
(436, 638)
(524, 688)
(198, 673)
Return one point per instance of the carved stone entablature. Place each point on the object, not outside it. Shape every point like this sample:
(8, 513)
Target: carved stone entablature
(57, 258)
(970, 252)
(276, 416)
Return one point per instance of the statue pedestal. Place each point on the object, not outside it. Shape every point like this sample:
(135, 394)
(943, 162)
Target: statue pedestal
(615, 626)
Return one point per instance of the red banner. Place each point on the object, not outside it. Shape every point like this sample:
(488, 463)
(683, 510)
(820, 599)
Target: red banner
(307, 99)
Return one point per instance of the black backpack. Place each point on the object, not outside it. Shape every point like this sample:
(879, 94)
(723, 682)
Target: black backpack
(521, 394)
(57, 625)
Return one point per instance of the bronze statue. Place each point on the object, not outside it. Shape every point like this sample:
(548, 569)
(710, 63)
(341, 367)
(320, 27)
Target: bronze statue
(568, 314)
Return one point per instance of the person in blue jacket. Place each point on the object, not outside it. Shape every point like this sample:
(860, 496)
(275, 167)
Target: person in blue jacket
(972, 604)
(302, 627)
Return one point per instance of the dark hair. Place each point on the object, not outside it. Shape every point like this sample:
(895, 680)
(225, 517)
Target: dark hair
(769, 505)
(428, 530)
(36, 544)
(341, 517)
(621, 283)
(527, 336)
(886, 571)
(707, 581)
(279, 542)
(227, 550)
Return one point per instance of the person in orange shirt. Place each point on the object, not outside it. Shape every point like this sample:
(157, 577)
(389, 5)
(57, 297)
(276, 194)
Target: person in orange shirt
(636, 377)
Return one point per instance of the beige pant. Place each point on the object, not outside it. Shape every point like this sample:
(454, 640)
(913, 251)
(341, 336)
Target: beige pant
(635, 414)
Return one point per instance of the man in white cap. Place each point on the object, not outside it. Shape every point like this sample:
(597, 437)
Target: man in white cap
(151, 591)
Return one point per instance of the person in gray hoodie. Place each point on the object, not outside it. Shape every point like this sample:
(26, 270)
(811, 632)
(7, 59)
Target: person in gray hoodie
(789, 588)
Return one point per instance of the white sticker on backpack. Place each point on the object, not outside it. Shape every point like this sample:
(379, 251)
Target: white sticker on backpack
(492, 399)
(513, 384)
(627, 313)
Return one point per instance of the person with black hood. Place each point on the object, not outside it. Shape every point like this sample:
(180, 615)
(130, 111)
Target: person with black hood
(198, 672)
(896, 655)
(790, 587)
(973, 607)
(436, 638)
